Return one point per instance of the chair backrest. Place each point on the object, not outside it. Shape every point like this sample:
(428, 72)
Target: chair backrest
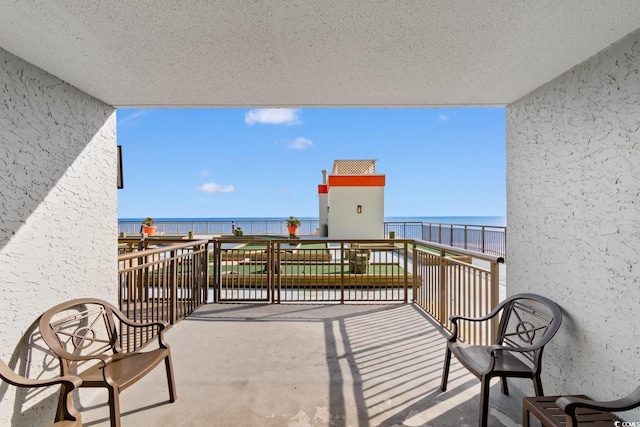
(528, 321)
(81, 327)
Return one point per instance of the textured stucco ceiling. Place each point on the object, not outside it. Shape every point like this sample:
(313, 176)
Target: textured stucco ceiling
(323, 52)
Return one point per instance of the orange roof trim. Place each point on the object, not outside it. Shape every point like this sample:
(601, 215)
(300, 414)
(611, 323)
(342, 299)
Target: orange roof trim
(356, 180)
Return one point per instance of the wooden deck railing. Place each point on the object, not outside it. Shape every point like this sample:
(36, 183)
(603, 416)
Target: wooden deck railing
(165, 282)
(457, 283)
(168, 279)
(311, 270)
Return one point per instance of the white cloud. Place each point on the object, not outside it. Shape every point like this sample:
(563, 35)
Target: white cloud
(300, 143)
(130, 118)
(273, 116)
(443, 117)
(212, 187)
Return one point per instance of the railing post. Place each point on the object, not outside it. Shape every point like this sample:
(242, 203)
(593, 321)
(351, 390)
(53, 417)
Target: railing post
(216, 267)
(406, 271)
(341, 272)
(415, 272)
(273, 278)
(504, 252)
(444, 294)
(495, 298)
(173, 288)
(483, 240)
(465, 236)
(205, 274)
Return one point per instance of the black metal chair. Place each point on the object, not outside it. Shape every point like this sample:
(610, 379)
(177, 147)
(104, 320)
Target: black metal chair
(580, 410)
(527, 323)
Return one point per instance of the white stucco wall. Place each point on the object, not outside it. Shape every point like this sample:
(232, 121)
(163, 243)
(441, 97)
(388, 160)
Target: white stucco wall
(573, 184)
(346, 223)
(58, 212)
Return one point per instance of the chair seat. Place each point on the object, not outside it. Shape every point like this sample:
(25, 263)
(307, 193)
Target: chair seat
(76, 423)
(477, 360)
(125, 369)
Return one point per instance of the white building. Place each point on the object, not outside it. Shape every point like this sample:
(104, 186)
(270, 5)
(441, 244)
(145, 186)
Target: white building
(354, 198)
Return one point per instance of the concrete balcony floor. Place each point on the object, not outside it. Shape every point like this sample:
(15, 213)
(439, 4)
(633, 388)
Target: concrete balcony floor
(307, 365)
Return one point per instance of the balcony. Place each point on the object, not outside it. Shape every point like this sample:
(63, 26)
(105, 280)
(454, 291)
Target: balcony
(301, 364)
(365, 347)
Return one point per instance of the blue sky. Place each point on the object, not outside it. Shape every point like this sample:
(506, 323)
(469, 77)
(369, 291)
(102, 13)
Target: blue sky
(220, 163)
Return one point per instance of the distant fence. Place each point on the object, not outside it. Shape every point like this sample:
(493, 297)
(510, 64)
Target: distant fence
(221, 228)
(491, 240)
(486, 239)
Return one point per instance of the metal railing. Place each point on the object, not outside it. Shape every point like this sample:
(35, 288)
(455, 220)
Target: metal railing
(485, 239)
(454, 283)
(161, 281)
(167, 279)
(220, 228)
(318, 270)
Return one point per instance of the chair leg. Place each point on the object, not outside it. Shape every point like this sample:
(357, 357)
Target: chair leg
(485, 382)
(62, 401)
(170, 379)
(526, 418)
(445, 370)
(537, 385)
(114, 407)
(66, 411)
(505, 386)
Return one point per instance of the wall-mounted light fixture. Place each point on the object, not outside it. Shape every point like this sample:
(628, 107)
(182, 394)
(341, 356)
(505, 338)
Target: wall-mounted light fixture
(359, 209)
(327, 209)
(120, 178)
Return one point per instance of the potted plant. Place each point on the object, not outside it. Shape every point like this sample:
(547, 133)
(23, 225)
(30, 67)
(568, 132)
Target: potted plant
(148, 226)
(292, 225)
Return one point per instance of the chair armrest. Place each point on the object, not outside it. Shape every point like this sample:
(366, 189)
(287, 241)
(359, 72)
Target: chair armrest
(569, 404)
(71, 381)
(497, 347)
(488, 316)
(454, 320)
(135, 324)
(162, 327)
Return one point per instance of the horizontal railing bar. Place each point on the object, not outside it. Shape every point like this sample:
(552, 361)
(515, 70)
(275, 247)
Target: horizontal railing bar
(502, 227)
(173, 247)
(460, 251)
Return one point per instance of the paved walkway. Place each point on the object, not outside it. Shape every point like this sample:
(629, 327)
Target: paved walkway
(304, 365)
